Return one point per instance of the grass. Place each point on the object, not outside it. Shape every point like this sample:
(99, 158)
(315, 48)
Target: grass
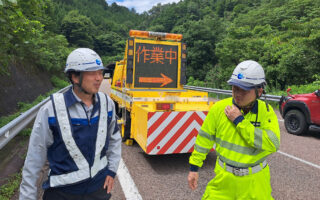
(7, 190)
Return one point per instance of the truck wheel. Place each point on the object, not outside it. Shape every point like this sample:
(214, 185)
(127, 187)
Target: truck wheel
(118, 111)
(295, 122)
(126, 128)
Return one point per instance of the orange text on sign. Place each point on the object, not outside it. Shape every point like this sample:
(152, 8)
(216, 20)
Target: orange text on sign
(155, 55)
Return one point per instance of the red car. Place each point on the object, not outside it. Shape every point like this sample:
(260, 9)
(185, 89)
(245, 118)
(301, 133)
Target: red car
(301, 112)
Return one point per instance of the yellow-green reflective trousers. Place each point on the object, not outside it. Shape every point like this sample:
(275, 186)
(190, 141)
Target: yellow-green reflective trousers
(227, 186)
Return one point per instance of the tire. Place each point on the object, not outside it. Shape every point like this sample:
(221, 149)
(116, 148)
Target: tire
(295, 122)
(127, 128)
(118, 111)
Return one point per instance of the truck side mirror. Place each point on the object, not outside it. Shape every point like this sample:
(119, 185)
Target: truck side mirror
(317, 92)
(108, 72)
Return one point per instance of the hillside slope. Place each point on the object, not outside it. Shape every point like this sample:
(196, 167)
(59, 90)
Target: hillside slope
(24, 84)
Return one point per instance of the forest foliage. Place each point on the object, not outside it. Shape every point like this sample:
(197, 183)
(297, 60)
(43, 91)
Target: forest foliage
(282, 35)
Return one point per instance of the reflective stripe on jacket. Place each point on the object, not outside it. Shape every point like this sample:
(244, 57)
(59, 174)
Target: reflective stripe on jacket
(243, 145)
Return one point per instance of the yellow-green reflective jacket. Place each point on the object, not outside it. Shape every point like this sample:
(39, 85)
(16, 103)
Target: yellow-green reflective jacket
(243, 145)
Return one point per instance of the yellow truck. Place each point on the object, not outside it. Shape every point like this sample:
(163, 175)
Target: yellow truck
(147, 87)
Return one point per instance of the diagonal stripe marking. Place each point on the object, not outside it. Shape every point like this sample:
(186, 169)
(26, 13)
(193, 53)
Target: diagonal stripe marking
(195, 125)
(186, 141)
(159, 121)
(152, 136)
(176, 134)
(202, 115)
(154, 118)
(171, 132)
(159, 137)
(194, 121)
(192, 147)
(150, 114)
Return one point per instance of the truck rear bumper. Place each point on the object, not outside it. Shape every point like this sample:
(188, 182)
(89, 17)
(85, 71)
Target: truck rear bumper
(173, 132)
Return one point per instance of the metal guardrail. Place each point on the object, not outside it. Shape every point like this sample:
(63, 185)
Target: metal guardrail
(11, 129)
(229, 92)
(15, 126)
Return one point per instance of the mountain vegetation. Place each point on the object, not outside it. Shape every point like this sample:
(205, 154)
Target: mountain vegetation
(282, 35)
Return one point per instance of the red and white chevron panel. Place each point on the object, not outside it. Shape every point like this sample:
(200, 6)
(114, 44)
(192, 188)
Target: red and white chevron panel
(173, 132)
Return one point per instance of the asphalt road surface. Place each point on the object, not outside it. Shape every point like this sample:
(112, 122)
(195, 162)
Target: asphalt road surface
(295, 171)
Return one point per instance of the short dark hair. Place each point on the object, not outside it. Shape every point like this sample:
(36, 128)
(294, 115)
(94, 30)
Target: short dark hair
(69, 75)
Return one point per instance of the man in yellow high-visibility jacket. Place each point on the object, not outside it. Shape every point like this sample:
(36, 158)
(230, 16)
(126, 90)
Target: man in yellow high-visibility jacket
(245, 131)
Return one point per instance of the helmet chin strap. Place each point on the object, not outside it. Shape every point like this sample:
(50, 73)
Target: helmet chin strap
(81, 89)
(248, 107)
(257, 93)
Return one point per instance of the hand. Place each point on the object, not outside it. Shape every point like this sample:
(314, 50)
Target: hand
(193, 180)
(108, 183)
(232, 112)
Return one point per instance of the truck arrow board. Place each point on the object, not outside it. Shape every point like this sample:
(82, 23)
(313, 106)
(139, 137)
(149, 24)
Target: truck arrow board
(164, 80)
(156, 65)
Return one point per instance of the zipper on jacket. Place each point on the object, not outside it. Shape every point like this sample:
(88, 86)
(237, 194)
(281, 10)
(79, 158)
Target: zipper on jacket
(85, 111)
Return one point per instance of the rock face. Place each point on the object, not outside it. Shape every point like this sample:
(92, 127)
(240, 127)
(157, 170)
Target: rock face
(23, 84)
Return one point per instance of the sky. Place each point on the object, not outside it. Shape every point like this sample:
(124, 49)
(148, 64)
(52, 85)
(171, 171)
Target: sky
(140, 5)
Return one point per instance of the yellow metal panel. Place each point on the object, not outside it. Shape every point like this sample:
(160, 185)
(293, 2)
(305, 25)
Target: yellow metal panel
(118, 74)
(139, 125)
(183, 101)
(115, 98)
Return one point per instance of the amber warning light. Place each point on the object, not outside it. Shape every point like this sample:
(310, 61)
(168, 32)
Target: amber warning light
(149, 34)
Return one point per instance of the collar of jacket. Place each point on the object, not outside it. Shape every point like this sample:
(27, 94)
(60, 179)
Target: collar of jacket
(71, 99)
(254, 109)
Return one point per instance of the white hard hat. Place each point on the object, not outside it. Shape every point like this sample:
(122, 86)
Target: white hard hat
(83, 59)
(248, 75)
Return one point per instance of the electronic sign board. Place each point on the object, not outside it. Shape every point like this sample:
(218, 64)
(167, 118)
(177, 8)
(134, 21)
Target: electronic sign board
(156, 65)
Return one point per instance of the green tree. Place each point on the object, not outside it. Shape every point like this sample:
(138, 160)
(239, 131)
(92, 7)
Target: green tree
(109, 44)
(49, 51)
(15, 31)
(78, 29)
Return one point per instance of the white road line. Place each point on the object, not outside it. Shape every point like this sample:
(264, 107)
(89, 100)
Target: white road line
(296, 158)
(299, 159)
(128, 186)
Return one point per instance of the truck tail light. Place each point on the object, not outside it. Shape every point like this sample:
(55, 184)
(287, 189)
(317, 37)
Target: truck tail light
(118, 84)
(164, 106)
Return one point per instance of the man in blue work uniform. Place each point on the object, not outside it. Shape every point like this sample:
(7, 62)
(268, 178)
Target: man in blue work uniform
(78, 134)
